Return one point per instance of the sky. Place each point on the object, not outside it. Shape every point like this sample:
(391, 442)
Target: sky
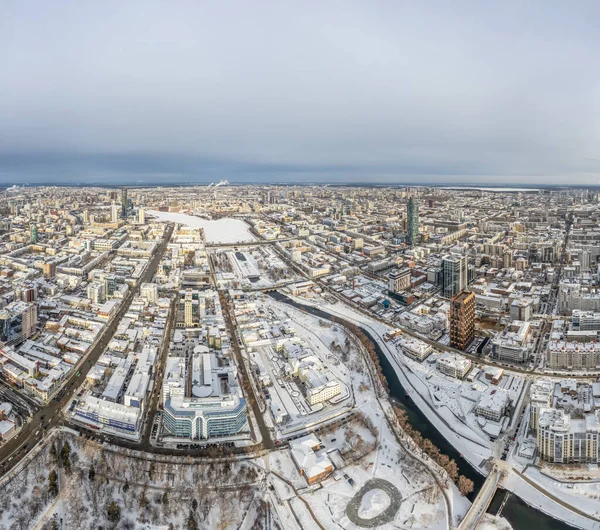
(289, 91)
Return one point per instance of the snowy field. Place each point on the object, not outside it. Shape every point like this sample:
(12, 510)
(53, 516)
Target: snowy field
(223, 231)
(95, 488)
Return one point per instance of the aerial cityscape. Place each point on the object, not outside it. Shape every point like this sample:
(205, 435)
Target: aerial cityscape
(298, 356)
(299, 265)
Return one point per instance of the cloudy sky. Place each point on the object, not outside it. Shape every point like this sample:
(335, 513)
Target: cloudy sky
(336, 91)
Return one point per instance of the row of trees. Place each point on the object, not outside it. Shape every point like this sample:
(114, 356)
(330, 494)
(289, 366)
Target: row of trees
(427, 447)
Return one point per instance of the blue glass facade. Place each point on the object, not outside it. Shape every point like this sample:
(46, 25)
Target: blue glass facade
(204, 420)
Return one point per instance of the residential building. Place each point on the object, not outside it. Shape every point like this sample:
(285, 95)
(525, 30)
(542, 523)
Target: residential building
(18, 321)
(462, 319)
(540, 397)
(567, 355)
(96, 293)
(454, 274)
(453, 365)
(512, 344)
(562, 439)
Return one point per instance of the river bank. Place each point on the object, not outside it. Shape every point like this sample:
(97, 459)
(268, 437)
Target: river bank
(519, 514)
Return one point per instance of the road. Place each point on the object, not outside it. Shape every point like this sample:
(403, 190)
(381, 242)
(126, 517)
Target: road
(158, 378)
(482, 501)
(49, 415)
(262, 426)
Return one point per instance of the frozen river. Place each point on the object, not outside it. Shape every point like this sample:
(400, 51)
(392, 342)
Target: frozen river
(221, 231)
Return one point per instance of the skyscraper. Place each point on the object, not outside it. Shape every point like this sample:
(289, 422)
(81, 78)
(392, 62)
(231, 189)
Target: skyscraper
(34, 233)
(412, 228)
(462, 319)
(114, 213)
(141, 216)
(454, 274)
(124, 203)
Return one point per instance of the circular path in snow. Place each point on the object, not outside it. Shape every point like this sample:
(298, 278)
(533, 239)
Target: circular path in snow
(378, 500)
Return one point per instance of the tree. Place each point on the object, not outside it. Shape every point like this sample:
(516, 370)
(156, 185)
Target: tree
(165, 502)
(113, 512)
(53, 452)
(64, 454)
(192, 524)
(53, 483)
(124, 490)
(151, 471)
(143, 499)
(66, 450)
(452, 470)
(465, 485)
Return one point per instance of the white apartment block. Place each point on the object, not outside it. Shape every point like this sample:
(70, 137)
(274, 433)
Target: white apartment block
(562, 439)
(562, 355)
(511, 344)
(492, 404)
(453, 365)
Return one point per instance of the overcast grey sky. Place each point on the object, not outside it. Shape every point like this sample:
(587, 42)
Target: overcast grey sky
(325, 90)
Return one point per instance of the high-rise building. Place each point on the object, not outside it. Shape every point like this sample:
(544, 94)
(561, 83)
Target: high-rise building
(110, 284)
(27, 292)
(34, 233)
(521, 309)
(114, 212)
(149, 291)
(49, 270)
(454, 274)
(96, 292)
(462, 319)
(189, 319)
(141, 216)
(86, 217)
(412, 224)
(124, 203)
(399, 280)
(18, 321)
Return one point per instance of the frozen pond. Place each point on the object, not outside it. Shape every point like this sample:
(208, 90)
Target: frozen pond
(221, 231)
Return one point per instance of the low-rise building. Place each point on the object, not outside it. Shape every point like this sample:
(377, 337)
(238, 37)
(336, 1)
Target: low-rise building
(312, 462)
(453, 365)
(493, 404)
(512, 344)
(98, 413)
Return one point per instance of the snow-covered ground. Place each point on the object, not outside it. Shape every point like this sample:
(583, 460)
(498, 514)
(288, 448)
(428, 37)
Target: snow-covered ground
(148, 494)
(583, 497)
(220, 231)
(472, 446)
